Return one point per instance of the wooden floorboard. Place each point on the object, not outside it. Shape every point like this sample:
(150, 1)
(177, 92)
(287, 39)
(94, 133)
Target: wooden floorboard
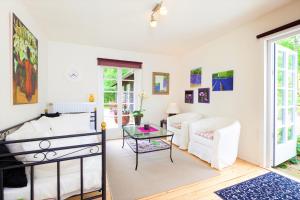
(204, 190)
(239, 172)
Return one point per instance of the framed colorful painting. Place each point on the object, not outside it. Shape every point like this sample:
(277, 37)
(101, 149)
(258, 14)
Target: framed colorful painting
(222, 81)
(160, 83)
(25, 64)
(203, 95)
(195, 77)
(189, 96)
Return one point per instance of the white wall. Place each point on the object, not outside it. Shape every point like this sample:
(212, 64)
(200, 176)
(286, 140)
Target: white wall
(241, 51)
(9, 114)
(63, 56)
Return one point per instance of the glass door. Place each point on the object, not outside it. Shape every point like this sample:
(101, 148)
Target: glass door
(128, 96)
(110, 94)
(119, 97)
(285, 105)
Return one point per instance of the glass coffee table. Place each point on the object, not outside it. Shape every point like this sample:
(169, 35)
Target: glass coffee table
(146, 141)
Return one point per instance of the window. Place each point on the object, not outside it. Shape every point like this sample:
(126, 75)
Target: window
(119, 94)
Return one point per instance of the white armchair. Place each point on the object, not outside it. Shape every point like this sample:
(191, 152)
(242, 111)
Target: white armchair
(215, 140)
(179, 125)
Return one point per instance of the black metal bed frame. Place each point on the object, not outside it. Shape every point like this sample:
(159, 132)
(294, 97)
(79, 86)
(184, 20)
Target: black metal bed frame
(94, 150)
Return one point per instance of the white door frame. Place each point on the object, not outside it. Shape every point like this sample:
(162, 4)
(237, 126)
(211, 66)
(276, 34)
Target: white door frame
(116, 133)
(269, 91)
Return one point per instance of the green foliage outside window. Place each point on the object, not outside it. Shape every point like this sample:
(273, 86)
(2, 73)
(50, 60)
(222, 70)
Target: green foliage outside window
(110, 76)
(298, 146)
(293, 43)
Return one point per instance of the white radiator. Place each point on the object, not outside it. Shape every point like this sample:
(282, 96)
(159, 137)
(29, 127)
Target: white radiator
(72, 107)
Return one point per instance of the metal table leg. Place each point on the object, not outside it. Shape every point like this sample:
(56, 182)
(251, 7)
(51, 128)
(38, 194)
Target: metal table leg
(171, 148)
(136, 154)
(123, 138)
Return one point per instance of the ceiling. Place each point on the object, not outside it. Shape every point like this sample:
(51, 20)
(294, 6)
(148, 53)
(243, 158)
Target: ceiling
(124, 24)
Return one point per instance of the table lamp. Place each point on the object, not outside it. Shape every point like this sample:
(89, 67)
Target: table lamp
(172, 109)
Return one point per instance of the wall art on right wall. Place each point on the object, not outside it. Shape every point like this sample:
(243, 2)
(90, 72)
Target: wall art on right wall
(189, 96)
(160, 83)
(203, 95)
(222, 81)
(195, 77)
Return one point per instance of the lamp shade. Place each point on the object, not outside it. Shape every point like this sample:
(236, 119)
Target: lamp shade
(173, 109)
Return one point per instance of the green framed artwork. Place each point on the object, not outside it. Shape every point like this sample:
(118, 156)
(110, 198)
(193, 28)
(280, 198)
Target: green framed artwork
(222, 81)
(25, 63)
(160, 83)
(196, 77)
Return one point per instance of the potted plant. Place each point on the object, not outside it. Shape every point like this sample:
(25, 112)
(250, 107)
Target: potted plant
(125, 116)
(138, 114)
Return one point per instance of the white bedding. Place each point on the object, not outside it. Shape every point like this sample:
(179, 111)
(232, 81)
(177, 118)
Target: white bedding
(45, 179)
(46, 187)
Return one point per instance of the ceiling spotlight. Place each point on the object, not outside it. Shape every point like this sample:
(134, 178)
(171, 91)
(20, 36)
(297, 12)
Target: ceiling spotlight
(158, 9)
(153, 22)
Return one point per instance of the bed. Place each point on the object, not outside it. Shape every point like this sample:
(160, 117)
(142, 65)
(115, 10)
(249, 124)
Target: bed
(60, 164)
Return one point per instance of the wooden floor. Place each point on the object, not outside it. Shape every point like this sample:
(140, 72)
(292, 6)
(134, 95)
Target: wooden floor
(204, 190)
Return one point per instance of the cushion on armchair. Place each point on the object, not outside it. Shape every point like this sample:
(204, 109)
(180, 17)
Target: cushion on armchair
(206, 134)
(176, 125)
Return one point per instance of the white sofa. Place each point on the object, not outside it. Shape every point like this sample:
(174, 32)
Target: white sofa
(215, 140)
(179, 125)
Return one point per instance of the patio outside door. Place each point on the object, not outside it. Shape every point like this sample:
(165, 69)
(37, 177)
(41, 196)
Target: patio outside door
(285, 105)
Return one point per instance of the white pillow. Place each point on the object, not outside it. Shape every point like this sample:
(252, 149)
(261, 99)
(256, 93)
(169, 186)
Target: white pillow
(17, 135)
(26, 131)
(61, 126)
(42, 124)
(70, 124)
(80, 122)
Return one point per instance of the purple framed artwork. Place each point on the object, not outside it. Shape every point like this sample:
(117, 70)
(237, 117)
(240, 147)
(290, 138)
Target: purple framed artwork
(203, 95)
(195, 77)
(189, 96)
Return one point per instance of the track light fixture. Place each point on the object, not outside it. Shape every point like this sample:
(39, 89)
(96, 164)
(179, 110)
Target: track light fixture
(158, 9)
(153, 21)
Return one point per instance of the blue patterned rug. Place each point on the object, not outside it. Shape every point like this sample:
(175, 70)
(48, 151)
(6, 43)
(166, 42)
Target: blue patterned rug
(269, 186)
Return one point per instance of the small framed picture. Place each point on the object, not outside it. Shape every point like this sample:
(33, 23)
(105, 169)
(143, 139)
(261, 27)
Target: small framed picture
(196, 77)
(160, 83)
(203, 95)
(189, 96)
